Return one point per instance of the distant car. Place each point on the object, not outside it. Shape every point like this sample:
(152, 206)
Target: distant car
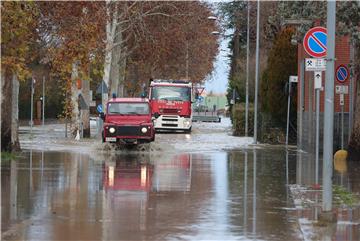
(128, 121)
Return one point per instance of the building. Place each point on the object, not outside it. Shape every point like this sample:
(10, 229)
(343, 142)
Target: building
(306, 121)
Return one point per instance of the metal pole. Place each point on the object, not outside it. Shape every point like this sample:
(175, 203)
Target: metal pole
(31, 106)
(66, 120)
(351, 90)
(256, 71)
(329, 109)
(301, 104)
(317, 114)
(245, 192)
(254, 194)
(187, 61)
(247, 71)
(43, 104)
(288, 115)
(342, 127)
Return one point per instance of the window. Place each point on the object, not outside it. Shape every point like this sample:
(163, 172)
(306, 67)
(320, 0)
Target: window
(128, 108)
(173, 93)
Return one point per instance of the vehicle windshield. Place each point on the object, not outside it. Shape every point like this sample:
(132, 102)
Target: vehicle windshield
(128, 108)
(173, 93)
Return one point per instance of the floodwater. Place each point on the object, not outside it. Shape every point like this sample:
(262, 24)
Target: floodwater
(203, 186)
(235, 195)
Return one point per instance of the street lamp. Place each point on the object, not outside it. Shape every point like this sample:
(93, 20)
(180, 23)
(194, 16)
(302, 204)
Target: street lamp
(256, 70)
(247, 71)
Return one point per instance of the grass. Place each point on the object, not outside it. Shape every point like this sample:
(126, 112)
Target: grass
(6, 157)
(342, 196)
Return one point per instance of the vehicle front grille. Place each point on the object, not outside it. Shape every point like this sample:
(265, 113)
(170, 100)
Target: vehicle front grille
(128, 131)
(170, 111)
(170, 125)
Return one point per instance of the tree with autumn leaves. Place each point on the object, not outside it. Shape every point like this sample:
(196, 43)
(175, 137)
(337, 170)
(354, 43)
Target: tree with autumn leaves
(127, 42)
(19, 21)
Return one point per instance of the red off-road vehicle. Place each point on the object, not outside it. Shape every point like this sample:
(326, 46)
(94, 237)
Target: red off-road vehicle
(128, 121)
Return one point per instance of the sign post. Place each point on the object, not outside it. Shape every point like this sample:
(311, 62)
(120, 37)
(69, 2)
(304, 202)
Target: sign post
(317, 87)
(32, 105)
(342, 74)
(292, 79)
(342, 120)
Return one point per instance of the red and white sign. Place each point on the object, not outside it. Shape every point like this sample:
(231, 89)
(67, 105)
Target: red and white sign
(315, 42)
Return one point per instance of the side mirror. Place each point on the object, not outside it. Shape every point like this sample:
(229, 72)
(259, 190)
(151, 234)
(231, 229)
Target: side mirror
(156, 115)
(102, 116)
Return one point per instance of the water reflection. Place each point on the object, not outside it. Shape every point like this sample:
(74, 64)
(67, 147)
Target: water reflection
(345, 175)
(221, 195)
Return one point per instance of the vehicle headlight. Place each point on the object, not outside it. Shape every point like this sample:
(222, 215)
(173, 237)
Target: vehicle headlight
(144, 130)
(112, 130)
(186, 123)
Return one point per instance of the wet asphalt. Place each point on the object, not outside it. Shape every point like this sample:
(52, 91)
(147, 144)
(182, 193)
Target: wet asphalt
(218, 193)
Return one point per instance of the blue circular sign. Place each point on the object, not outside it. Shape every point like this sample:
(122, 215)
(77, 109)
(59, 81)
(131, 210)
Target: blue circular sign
(315, 42)
(342, 73)
(99, 108)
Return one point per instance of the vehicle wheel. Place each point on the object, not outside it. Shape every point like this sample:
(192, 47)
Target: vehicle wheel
(102, 137)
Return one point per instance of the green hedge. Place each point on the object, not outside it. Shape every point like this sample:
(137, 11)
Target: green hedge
(269, 131)
(238, 119)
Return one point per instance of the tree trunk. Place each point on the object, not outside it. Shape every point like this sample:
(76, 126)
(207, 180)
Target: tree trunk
(75, 115)
(115, 68)
(111, 24)
(15, 114)
(86, 113)
(122, 70)
(9, 112)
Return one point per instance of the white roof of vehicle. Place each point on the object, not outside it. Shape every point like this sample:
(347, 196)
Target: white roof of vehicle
(170, 83)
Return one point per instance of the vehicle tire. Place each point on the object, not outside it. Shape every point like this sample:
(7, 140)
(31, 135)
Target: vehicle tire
(102, 137)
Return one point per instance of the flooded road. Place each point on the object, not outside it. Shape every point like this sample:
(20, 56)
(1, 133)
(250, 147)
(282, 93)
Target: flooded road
(220, 195)
(186, 188)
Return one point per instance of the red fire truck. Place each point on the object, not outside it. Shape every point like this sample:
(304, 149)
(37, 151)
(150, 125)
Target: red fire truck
(170, 102)
(128, 120)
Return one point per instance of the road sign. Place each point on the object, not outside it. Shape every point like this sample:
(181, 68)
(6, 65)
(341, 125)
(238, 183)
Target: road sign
(317, 80)
(315, 42)
(312, 64)
(342, 89)
(342, 74)
(293, 79)
(99, 108)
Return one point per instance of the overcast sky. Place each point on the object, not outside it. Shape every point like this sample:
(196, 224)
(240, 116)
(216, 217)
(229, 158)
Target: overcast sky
(218, 82)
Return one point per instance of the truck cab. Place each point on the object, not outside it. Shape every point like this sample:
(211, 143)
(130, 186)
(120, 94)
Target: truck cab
(170, 102)
(128, 121)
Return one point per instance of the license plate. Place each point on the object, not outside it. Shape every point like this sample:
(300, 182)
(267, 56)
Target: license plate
(169, 122)
(110, 139)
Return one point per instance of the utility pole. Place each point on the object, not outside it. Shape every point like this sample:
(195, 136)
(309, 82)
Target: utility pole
(329, 109)
(247, 71)
(288, 113)
(43, 102)
(187, 60)
(257, 71)
(32, 106)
